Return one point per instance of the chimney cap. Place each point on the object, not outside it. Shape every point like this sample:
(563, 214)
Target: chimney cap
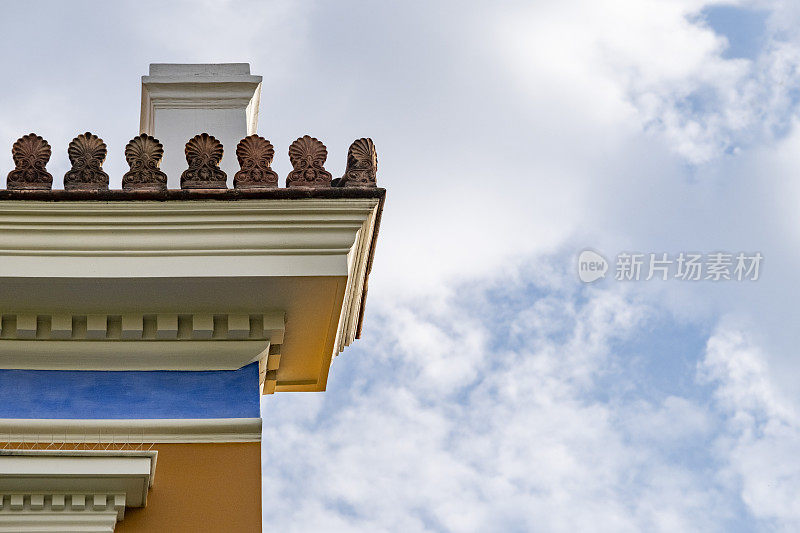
(200, 72)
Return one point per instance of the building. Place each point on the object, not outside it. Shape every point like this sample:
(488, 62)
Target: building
(140, 326)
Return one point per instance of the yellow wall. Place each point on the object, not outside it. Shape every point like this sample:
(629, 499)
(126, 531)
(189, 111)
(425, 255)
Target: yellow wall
(202, 488)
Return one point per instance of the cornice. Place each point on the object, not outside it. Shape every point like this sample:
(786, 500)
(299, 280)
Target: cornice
(300, 253)
(62, 512)
(72, 490)
(136, 341)
(157, 239)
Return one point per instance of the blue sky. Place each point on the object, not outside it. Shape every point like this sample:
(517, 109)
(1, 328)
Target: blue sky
(492, 390)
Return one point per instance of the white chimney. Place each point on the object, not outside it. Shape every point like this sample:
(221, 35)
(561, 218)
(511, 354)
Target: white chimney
(181, 100)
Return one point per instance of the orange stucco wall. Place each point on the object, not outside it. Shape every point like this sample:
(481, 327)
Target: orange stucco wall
(202, 487)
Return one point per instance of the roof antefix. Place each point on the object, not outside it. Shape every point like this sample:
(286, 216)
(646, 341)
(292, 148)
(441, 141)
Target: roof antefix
(202, 179)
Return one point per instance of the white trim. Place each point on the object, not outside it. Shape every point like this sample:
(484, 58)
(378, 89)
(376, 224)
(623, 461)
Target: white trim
(66, 518)
(135, 431)
(137, 341)
(119, 239)
(126, 327)
(84, 491)
(357, 267)
(59, 491)
(130, 355)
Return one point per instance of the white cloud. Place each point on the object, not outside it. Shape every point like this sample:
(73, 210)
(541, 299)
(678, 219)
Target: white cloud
(529, 440)
(763, 435)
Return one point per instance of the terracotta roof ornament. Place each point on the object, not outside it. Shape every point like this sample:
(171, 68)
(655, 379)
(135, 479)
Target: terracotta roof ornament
(308, 156)
(362, 165)
(255, 155)
(87, 153)
(143, 154)
(31, 154)
(203, 153)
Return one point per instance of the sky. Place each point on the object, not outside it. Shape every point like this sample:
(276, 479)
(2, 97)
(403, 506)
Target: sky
(492, 390)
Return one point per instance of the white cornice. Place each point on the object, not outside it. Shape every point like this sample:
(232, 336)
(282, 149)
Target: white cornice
(179, 239)
(136, 341)
(60, 512)
(71, 490)
(134, 431)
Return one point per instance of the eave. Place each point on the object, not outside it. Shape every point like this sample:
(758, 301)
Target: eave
(303, 252)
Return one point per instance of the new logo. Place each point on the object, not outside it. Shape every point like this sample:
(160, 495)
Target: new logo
(591, 266)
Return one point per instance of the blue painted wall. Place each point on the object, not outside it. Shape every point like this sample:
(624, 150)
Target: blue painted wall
(155, 394)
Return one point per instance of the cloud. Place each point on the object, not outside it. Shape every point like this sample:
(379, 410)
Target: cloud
(523, 435)
(763, 429)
